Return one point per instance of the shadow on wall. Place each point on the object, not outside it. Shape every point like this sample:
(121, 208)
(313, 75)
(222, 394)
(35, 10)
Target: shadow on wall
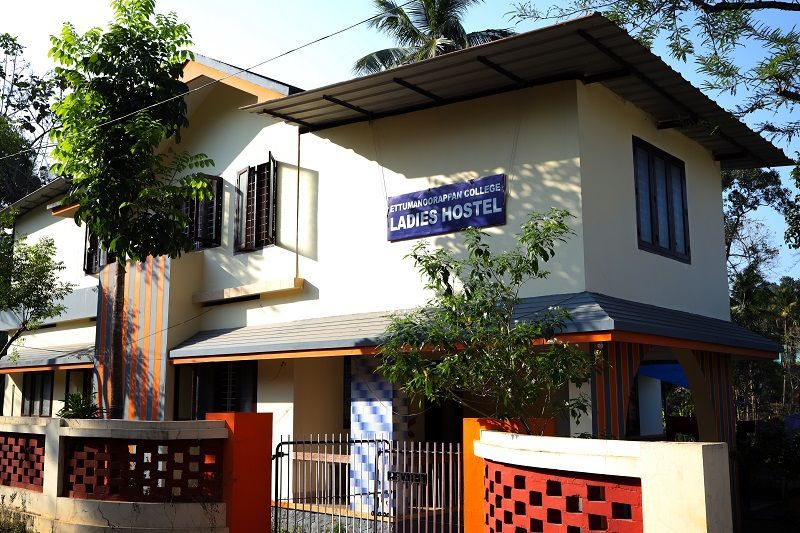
(233, 269)
(529, 135)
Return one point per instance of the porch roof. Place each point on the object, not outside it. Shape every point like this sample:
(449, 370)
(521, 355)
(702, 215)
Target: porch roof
(591, 313)
(591, 49)
(62, 356)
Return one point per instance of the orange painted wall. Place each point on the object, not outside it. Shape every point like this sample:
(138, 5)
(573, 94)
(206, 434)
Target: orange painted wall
(474, 508)
(247, 470)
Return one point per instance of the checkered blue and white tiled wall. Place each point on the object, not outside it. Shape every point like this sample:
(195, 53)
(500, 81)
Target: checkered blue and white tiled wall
(377, 411)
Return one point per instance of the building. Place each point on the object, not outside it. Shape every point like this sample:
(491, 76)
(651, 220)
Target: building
(286, 296)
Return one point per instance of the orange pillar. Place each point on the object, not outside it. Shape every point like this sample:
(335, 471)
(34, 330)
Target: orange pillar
(474, 505)
(247, 470)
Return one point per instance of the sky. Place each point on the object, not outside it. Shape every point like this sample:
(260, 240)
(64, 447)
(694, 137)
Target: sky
(247, 32)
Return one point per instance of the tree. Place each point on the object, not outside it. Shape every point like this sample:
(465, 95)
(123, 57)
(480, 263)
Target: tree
(469, 339)
(31, 288)
(17, 173)
(124, 106)
(423, 29)
(744, 192)
(25, 120)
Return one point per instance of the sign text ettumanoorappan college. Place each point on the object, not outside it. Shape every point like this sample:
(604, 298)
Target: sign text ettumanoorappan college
(478, 203)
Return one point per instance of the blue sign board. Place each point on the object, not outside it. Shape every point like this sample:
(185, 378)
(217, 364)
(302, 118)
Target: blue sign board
(477, 203)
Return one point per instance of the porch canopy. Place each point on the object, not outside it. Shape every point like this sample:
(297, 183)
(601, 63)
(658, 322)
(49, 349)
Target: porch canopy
(591, 49)
(61, 357)
(595, 318)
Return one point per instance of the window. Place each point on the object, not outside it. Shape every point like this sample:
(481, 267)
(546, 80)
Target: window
(660, 201)
(78, 382)
(37, 393)
(215, 387)
(205, 217)
(257, 206)
(94, 257)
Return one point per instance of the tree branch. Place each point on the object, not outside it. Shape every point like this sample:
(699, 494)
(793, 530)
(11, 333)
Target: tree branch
(721, 7)
(11, 341)
(789, 94)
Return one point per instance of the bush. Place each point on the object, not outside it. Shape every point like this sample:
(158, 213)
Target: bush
(79, 406)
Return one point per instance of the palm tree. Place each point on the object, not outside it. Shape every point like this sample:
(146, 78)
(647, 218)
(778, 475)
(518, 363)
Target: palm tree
(422, 29)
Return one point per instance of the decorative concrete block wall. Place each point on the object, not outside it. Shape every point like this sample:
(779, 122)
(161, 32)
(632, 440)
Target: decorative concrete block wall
(550, 484)
(522, 500)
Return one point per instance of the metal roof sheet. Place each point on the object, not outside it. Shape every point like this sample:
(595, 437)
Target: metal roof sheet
(247, 75)
(69, 354)
(591, 49)
(591, 312)
(43, 195)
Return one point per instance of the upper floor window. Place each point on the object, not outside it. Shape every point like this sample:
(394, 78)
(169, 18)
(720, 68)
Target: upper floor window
(257, 206)
(661, 201)
(94, 256)
(37, 393)
(205, 217)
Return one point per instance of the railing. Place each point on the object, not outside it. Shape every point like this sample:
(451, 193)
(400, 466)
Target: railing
(351, 484)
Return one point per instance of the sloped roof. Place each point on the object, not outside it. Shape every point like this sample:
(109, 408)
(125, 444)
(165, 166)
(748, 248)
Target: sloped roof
(43, 195)
(69, 354)
(591, 49)
(252, 77)
(591, 312)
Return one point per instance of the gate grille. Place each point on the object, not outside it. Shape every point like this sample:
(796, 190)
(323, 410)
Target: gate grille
(340, 484)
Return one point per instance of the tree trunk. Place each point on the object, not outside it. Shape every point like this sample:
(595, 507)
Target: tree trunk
(117, 346)
(7, 344)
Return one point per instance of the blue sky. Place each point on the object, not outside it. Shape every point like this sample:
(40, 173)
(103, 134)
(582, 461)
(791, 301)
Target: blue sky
(245, 32)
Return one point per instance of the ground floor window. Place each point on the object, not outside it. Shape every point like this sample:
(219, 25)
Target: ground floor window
(78, 382)
(37, 393)
(215, 387)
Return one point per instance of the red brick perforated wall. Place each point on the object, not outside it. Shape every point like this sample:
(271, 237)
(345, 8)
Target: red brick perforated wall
(529, 500)
(22, 461)
(143, 470)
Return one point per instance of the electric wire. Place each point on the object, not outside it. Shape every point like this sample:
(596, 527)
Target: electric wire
(232, 75)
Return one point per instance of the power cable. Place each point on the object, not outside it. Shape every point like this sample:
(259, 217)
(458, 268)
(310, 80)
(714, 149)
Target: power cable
(234, 74)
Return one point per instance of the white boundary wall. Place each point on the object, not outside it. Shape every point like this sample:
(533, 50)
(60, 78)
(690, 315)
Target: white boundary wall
(685, 485)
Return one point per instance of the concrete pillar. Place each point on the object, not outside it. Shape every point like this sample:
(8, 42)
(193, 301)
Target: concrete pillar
(650, 405)
(584, 425)
(247, 470)
(701, 395)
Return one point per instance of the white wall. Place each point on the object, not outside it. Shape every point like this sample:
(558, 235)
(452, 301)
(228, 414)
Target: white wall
(685, 485)
(349, 266)
(12, 395)
(69, 239)
(614, 264)
(275, 394)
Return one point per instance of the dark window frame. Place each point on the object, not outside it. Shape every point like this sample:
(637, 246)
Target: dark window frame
(94, 257)
(34, 399)
(205, 217)
(256, 207)
(653, 247)
(87, 386)
(205, 388)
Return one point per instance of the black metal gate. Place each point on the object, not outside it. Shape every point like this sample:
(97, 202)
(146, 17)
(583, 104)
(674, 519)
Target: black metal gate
(338, 484)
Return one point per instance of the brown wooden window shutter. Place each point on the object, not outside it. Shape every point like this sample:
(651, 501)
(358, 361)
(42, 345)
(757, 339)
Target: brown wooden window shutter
(205, 217)
(257, 206)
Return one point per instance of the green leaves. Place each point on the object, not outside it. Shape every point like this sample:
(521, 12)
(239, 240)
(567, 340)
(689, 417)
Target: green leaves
(76, 405)
(422, 30)
(470, 344)
(125, 101)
